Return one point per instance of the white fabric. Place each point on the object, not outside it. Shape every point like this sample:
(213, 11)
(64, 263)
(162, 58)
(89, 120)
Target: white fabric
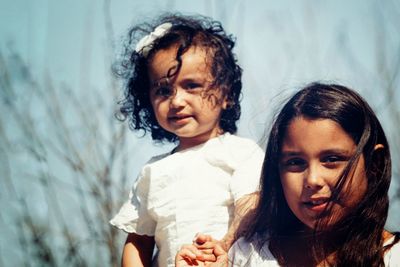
(243, 253)
(191, 191)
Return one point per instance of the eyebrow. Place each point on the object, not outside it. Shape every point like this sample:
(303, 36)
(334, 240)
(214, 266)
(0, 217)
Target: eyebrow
(290, 153)
(161, 81)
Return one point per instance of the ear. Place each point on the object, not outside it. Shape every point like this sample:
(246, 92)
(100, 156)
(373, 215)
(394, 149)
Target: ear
(378, 147)
(378, 160)
(226, 103)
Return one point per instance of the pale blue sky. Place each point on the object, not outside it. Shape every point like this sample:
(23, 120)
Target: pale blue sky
(281, 45)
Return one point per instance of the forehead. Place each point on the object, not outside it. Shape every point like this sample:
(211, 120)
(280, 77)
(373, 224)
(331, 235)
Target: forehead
(317, 134)
(195, 59)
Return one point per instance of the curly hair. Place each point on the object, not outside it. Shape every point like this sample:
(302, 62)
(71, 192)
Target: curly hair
(185, 32)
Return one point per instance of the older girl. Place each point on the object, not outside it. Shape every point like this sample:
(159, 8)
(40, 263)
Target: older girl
(324, 197)
(324, 189)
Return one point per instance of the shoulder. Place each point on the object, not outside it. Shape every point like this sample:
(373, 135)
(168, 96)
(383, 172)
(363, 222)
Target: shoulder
(239, 253)
(392, 256)
(156, 162)
(230, 152)
(158, 157)
(241, 147)
(244, 142)
(241, 246)
(251, 253)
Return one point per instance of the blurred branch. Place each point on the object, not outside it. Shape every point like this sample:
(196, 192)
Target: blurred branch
(85, 149)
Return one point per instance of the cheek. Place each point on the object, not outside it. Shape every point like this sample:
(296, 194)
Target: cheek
(357, 186)
(153, 102)
(208, 109)
(292, 187)
(158, 105)
(155, 107)
(205, 103)
(160, 111)
(213, 100)
(291, 182)
(356, 191)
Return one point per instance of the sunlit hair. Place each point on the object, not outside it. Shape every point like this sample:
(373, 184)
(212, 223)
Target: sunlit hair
(186, 32)
(364, 226)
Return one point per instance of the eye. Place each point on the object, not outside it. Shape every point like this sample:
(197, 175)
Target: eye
(163, 91)
(331, 159)
(293, 164)
(193, 85)
(334, 160)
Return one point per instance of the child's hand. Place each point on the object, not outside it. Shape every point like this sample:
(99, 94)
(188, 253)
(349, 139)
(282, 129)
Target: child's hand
(189, 255)
(206, 243)
(205, 251)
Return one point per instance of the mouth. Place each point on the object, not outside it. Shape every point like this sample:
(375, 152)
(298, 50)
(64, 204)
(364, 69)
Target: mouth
(179, 118)
(317, 204)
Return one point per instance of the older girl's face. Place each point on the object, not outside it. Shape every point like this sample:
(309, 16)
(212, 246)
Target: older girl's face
(314, 154)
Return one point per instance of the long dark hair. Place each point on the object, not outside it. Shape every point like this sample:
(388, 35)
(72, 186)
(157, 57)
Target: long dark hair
(186, 31)
(364, 226)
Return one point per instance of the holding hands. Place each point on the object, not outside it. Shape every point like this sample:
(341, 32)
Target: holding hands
(205, 251)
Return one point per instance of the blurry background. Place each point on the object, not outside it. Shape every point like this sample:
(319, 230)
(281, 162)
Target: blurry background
(66, 164)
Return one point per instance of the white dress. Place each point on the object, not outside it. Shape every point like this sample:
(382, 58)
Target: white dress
(194, 190)
(243, 253)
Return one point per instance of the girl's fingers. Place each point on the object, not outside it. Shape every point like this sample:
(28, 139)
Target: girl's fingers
(222, 257)
(206, 245)
(205, 242)
(207, 257)
(189, 252)
(202, 238)
(219, 251)
(210, 246)
(206, 250)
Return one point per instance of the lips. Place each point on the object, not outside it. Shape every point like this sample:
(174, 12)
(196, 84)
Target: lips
(179, 118)
(317, 204)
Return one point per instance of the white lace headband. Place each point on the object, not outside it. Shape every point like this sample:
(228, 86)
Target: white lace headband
(146, 43)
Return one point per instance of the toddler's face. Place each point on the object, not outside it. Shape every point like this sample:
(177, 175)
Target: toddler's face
(184, 104)
(314, 154)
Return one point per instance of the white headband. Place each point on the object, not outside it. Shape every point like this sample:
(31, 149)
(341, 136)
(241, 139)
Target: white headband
(146, 43)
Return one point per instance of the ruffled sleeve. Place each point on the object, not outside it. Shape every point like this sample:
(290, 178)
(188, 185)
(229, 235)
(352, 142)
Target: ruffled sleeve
(134, 216)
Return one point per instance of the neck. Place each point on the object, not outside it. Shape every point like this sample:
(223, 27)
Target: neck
(308, 248)
(185, 143)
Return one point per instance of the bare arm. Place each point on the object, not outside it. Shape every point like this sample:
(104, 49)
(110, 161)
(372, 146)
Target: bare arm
(138, 251)
(207, 251)
(244, 208)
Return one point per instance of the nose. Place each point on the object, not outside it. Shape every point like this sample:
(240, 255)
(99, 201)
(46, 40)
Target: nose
(177, 99)
(313, 177)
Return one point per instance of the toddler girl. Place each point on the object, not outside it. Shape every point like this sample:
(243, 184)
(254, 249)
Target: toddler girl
(183, 85)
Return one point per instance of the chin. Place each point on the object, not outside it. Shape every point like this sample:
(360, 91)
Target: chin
(309, 227)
